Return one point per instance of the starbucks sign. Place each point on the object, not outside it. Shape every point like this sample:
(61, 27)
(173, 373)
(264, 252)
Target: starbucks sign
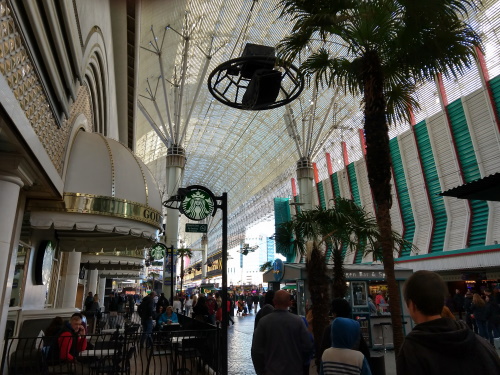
(198, 203)
(158, 251)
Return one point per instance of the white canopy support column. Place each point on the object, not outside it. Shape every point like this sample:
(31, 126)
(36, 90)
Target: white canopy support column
(10, 187)
(92, 281)
(102, 291)
(204, 244)
(305, 177)
(176, 160)
(70, 279)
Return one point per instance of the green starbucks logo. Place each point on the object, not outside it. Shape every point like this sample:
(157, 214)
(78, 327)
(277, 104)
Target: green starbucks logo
(158, 251)
(197, 204)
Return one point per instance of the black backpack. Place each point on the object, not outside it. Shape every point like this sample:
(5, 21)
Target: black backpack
(142, 309)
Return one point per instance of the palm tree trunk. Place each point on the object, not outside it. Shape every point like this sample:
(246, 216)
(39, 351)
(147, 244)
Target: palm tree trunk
(182, 272)
(378, 161)
(318, 288)
(339, 288)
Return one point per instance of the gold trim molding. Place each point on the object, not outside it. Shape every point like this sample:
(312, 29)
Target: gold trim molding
(106, 206)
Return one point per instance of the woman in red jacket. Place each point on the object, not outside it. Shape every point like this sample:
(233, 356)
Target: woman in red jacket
(218, 314)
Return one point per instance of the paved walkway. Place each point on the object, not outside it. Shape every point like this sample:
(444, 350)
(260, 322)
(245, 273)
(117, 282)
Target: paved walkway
(240, 343)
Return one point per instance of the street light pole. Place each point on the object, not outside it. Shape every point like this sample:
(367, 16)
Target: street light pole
(225, 317)
(202, 195)
(172, 280)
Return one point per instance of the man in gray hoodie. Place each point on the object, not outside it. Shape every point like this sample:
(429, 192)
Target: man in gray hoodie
(281, 343)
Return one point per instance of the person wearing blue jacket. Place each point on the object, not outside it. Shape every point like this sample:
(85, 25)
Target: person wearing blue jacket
(341, 358)
(168, 317)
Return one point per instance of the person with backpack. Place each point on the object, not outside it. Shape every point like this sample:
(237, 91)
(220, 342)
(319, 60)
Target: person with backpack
(89, 301)
(146, 311)
(200, 310)
(113, 310)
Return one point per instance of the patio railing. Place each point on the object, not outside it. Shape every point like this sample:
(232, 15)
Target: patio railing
(190, 347)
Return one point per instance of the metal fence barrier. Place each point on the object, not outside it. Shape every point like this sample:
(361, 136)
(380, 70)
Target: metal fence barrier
(190, 347)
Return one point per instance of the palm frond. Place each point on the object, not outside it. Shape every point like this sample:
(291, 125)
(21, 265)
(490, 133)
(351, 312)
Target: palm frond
(292, 45)
(288, 241)
(266, 266)
(400, 101)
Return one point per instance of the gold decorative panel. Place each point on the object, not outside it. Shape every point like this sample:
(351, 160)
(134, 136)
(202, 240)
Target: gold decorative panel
(18, 69)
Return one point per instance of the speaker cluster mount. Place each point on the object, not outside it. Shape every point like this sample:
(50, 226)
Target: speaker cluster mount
(256, 83)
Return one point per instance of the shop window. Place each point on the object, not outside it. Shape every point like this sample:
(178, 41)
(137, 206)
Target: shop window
(19, 281)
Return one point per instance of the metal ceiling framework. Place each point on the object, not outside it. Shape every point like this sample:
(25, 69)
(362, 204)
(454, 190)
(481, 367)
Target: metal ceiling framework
(251, 155)
(248, 154)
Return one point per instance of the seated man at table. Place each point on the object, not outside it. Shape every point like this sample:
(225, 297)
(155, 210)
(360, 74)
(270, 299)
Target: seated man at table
(73, 330)
(168, 317)
(72, 341)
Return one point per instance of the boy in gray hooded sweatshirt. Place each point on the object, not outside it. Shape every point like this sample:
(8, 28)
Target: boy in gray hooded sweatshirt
(341, 358)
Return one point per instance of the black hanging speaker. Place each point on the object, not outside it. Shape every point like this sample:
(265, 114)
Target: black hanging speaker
(263, 89)
(249, 67)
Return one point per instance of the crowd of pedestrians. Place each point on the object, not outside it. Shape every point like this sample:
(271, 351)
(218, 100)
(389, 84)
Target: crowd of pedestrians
(440, 341)
(451, 334)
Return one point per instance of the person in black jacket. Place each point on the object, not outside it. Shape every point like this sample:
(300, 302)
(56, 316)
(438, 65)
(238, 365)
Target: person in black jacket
(341, 309)
(492, 318)
(479, 315)
(200, 310)
(267, 308)
(436, 345)
(458, 301)
(471, 323)
(146, 311)
(113, 310)
(89, 301)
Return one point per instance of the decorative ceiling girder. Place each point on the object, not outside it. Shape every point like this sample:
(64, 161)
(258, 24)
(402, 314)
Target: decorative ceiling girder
(177, 127)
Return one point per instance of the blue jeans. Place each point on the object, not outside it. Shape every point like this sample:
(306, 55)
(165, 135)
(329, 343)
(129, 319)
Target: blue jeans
(211, 318)
(481, 327)
(147, 330)
(493, 331)
(112, 321)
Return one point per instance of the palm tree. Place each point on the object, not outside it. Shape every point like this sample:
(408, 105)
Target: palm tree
(303, 235)
(351, 228)
(181, 253)
(380, 51)
(343, 226)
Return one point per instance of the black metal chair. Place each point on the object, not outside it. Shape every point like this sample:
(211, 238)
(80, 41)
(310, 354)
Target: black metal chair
(117, 364)
(161, 349)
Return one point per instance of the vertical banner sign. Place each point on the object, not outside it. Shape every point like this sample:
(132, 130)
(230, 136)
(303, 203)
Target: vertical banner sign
(169, 268)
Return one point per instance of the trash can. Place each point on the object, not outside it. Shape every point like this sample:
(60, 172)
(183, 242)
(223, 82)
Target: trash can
(377, 364)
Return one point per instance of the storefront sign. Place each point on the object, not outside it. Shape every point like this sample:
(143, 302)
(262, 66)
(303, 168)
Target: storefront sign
(158, 251)
(169, 267)
(278, 269)
(196, 228)
(365, 275)
(198, 203)
(474, 276)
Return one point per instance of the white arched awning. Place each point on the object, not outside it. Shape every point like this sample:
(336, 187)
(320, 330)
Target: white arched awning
(111, 202)
(95, 233)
